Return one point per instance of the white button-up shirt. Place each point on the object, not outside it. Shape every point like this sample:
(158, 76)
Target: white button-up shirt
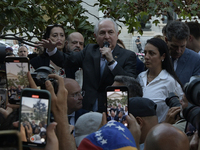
(158, 90)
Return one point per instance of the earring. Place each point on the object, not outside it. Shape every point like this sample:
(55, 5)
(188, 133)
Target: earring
(163, 60)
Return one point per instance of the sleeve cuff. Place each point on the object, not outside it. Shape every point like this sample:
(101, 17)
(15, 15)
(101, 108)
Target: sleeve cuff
(111, 67)
(52, 52)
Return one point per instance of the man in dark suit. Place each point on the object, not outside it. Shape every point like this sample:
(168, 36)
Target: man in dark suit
(100, 63)
(186, 62)
(74, 100)
(112, 116)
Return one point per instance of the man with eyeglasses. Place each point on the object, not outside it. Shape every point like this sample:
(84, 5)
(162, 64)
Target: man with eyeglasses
(74, 100)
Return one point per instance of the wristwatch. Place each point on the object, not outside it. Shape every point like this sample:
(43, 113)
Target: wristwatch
(111, 62)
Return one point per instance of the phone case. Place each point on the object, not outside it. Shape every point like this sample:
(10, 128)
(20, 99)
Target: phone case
(10, 139)
(33, 108)
(16, 77)
(116, 95)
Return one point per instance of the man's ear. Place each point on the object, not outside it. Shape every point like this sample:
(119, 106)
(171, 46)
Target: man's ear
(95, 35)
(66, 43)
(166, 40)
(140, 121)
(190, 38)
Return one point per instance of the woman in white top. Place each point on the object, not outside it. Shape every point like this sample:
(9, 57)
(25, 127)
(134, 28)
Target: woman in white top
(159, 79)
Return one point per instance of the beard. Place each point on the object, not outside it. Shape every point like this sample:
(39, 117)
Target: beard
(75, 49)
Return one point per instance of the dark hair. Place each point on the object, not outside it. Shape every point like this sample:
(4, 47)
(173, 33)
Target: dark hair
(47, 34)
(135, 89)
(49, 28)
(42, 123)
(164, 30)
(43, 133)
(10, 54)
(194, 29)
(121, 42)
(177, 29)
(166, 64)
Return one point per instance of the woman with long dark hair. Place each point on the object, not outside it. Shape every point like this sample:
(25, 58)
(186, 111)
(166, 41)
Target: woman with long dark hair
(55, 33)
(159, 79)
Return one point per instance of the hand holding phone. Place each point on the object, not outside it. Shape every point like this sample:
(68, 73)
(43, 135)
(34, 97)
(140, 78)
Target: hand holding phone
(52, 140)
(35, 109)
(59, 109)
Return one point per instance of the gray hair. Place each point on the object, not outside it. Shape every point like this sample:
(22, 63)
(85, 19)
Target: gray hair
(177, 29)
(96, 27)
(135, 89)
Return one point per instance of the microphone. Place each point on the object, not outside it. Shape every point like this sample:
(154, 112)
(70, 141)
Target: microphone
(106, 44)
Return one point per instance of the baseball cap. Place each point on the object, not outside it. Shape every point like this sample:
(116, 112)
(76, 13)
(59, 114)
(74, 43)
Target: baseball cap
(9, 48)
(113, 135)
(142, 107)
(86, 124)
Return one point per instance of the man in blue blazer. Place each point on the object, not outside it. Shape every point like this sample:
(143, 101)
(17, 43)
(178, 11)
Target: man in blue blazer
(186, 62)
(100, 62)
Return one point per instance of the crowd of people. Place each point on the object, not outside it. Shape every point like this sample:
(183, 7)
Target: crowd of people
(83, 73)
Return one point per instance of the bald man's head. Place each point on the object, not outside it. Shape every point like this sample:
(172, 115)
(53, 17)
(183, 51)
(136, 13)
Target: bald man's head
(75, 42)
(74, 98)
(166, 137)
(23, 51)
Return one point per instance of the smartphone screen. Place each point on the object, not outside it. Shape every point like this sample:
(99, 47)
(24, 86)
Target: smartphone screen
(16, 73)
(117, 103)
(10, 140)
(35, 115)
(3, 96)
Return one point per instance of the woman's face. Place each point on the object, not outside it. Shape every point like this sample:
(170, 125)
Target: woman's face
(57, 34)
(152, 56)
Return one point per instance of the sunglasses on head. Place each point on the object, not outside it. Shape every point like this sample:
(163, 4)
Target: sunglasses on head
(52, 25)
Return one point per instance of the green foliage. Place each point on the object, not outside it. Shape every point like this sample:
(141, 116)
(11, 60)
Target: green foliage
(115, 102)
(31, 17)
(40, 110)
(132, 12)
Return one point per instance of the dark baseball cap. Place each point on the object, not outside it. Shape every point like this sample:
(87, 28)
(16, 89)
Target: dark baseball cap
(9, 48)
(142, 107)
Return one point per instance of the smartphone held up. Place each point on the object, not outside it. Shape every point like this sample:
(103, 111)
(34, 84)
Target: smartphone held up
(10, 140)
(35, 116)
(16, 76)
(117, 103)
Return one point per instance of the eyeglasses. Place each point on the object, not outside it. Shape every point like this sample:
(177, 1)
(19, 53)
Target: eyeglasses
(76, 95)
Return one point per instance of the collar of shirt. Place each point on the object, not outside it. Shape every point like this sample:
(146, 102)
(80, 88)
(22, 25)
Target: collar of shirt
(162, 75)
(72, 114)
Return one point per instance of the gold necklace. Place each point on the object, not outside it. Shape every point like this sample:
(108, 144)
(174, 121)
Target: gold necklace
(150, 78)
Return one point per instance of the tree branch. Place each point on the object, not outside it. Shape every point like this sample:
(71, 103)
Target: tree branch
(88, 4)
